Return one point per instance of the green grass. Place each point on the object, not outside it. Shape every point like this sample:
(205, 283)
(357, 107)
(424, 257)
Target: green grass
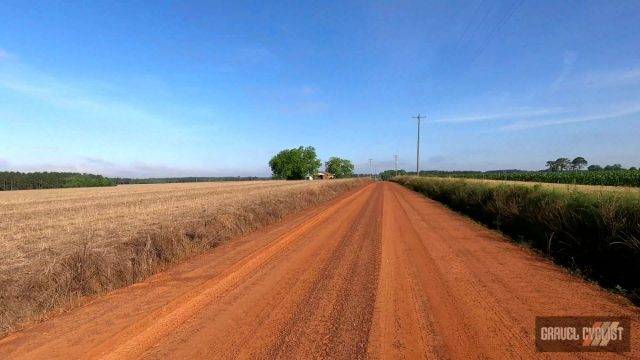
(596, 234)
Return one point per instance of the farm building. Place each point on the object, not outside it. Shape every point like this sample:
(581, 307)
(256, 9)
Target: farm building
(323, 175)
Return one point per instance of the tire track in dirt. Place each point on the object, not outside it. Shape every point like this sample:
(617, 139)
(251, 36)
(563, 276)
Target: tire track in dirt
(142, 336)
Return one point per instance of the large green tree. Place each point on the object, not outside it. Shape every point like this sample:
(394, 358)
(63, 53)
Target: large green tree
(295, 164)
(560, 164)
(563, 164)
(578, 163)
(340, 168)
(551, 164)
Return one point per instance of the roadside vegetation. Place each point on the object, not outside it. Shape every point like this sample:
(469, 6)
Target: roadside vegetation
(596, 234)
(11, 180)
(59, 245)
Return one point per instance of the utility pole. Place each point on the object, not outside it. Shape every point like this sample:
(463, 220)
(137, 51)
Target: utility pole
(370, 169)
(419, 117)
(396, 158)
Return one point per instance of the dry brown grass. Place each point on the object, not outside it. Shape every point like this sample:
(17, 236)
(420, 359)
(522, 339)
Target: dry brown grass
(59, 245)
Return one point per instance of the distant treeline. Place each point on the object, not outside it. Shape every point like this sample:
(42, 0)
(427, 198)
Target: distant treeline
(186, 179)
(11, 180)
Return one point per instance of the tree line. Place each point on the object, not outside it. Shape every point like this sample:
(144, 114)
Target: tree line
(13, 180)
(187, 179)
(302, 162)
(566, 164)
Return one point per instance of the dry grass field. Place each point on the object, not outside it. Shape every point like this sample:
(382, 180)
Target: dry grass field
(58, 245)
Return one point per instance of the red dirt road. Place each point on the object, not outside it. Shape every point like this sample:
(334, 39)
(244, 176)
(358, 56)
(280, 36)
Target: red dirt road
(380, 273)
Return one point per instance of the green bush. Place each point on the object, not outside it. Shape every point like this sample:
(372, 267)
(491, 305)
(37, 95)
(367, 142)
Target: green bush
(596, 234)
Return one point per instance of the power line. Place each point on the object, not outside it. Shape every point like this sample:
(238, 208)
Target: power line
(466, 28)
(498, 27)
(482, 21)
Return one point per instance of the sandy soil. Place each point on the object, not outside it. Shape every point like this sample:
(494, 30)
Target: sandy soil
(380, 273)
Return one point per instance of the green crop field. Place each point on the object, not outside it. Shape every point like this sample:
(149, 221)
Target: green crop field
(604, 177)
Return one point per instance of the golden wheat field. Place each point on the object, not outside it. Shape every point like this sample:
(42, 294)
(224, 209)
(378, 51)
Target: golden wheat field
(63, 243)
(34, 223)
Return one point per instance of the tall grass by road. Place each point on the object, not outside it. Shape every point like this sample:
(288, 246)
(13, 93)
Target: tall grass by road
(59, 245)
(596, 234)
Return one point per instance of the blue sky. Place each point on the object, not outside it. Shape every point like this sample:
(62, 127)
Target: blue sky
(217, 88)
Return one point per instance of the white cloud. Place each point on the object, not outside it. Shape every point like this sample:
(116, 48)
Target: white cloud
(614, 78)
(68, 95)
(604, 79)
(611, 115)
(522, 113)
(111, 169)
(568, 63)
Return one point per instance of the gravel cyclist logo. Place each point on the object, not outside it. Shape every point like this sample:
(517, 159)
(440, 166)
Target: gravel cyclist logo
(583, 333)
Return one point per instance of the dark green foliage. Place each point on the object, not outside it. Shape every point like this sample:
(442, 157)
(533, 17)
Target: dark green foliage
(48, 180)
(594, 177)
(295, 164)
(578, 163)
(85, 180)
(614, 167)
(340, 168)
(388, 174)
(563, 164)
(594, 233)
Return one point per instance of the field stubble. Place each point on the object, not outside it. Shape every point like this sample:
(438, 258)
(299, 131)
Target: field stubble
(59, 245)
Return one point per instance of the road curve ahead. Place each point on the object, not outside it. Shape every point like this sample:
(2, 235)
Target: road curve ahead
(380, 272)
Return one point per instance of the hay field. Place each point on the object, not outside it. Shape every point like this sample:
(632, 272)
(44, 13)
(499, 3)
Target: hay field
(36, 223)
(60, 244)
